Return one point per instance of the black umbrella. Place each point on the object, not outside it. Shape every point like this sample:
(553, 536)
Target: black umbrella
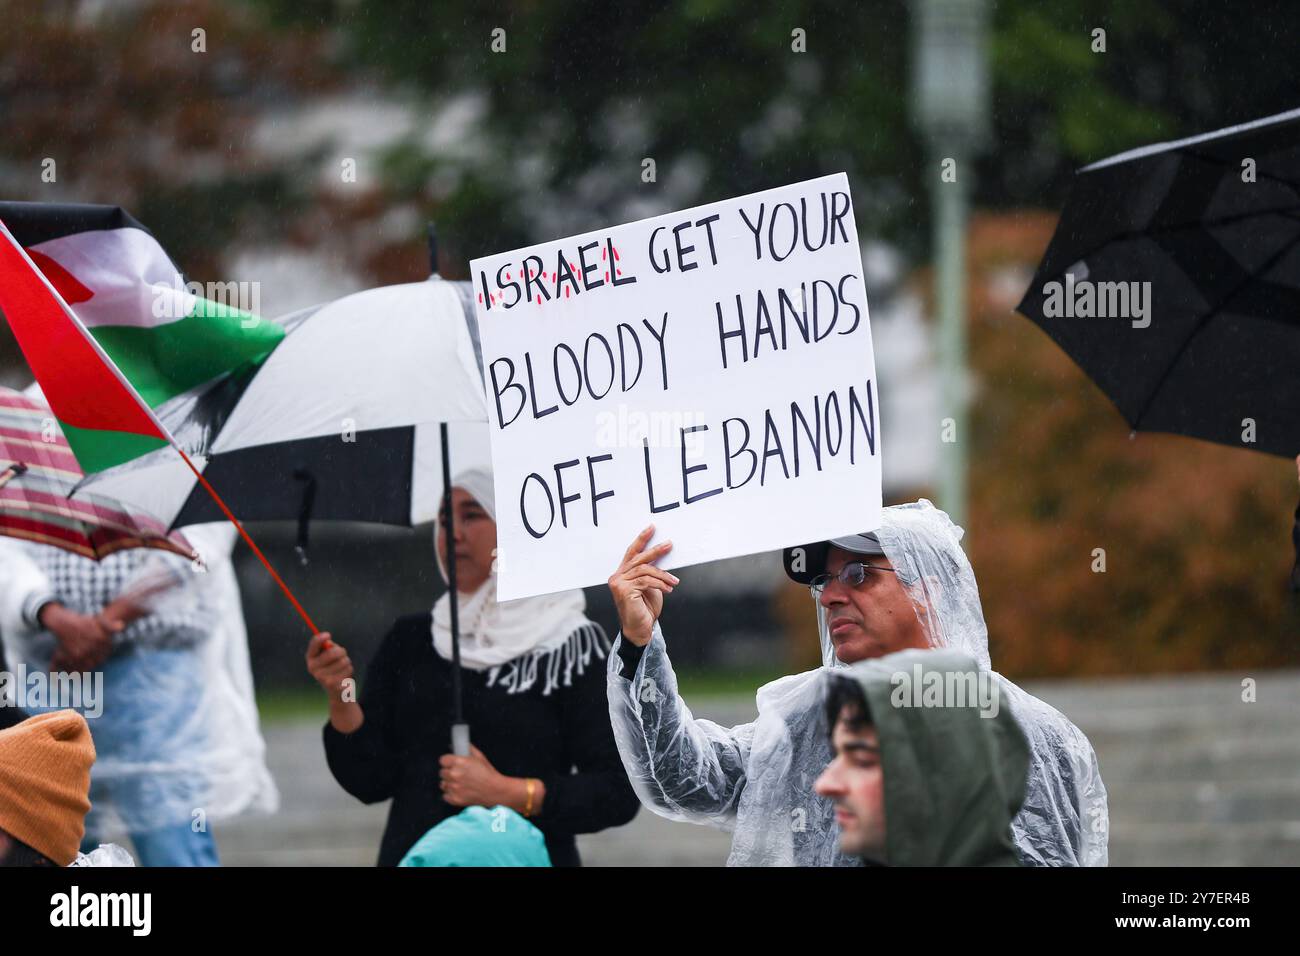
(1196, 245)
(1173, 280)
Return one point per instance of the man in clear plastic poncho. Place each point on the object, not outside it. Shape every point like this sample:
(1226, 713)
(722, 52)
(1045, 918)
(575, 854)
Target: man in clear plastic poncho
(907, 585)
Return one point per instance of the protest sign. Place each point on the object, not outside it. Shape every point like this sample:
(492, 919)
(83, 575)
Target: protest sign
(709, 371)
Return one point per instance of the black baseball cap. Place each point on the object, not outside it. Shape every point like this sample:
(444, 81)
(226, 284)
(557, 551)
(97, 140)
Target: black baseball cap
(812, 557)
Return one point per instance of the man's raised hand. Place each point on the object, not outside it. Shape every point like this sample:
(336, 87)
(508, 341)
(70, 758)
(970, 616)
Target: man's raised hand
(639, 587)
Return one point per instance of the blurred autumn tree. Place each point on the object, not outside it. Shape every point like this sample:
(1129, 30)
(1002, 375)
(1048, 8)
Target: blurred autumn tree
(1195, 537)
(133, 115)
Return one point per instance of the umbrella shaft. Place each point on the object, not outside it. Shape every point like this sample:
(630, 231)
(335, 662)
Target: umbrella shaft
(449, 532)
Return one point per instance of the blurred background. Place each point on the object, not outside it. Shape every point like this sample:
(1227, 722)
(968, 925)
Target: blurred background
(308, 143)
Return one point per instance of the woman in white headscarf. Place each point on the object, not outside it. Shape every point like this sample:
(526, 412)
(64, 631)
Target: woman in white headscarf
(534, 698)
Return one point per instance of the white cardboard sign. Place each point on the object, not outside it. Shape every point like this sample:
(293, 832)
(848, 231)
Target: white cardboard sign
(709, 371)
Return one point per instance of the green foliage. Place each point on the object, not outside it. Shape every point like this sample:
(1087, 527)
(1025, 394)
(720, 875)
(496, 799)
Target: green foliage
(596, 87)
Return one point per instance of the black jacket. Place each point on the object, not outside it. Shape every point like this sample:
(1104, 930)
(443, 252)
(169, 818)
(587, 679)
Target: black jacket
(406, 696)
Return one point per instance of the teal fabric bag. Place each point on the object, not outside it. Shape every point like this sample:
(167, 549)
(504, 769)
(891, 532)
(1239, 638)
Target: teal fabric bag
(478, 836)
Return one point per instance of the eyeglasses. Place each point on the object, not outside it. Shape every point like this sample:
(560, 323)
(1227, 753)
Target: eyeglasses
(851, 575)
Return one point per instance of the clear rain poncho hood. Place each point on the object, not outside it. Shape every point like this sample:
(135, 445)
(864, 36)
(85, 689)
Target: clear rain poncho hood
(757, 779)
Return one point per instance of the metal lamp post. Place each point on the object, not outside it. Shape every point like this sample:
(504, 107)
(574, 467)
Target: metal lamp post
(950, 106)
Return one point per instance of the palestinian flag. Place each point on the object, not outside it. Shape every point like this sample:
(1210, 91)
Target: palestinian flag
(128, 294)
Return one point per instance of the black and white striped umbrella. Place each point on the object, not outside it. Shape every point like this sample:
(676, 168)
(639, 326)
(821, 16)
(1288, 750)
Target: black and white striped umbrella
(341, 422)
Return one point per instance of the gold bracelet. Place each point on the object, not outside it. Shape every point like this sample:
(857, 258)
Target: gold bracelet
(531, 784)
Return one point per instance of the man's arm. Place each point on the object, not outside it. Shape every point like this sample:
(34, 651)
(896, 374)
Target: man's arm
(1094, 812)
(25, 589)
(29, 604)
(680, 767)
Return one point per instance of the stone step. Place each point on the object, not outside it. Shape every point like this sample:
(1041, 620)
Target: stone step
(1204, 844)
(1265, 756)
(1265, 800)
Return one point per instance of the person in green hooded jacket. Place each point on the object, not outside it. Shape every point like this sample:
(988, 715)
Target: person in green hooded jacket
(921, 778)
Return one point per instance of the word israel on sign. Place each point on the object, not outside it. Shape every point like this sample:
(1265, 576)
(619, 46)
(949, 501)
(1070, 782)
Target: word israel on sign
(709, 371)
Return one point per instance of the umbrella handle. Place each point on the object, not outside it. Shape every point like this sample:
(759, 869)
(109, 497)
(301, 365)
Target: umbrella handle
(207, 486)
(460, 740)
(304, 510)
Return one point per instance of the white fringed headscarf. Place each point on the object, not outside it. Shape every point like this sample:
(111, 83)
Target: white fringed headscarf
(550, 634)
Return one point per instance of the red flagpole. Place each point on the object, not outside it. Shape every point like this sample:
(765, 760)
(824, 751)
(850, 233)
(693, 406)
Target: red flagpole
(248, 539)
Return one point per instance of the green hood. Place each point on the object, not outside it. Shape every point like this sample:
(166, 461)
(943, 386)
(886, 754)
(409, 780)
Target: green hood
(953, 779)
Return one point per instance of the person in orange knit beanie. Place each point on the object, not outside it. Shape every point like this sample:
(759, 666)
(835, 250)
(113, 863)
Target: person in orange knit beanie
(44, 789)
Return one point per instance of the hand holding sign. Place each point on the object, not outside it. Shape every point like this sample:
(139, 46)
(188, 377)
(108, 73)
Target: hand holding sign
(639, 587)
